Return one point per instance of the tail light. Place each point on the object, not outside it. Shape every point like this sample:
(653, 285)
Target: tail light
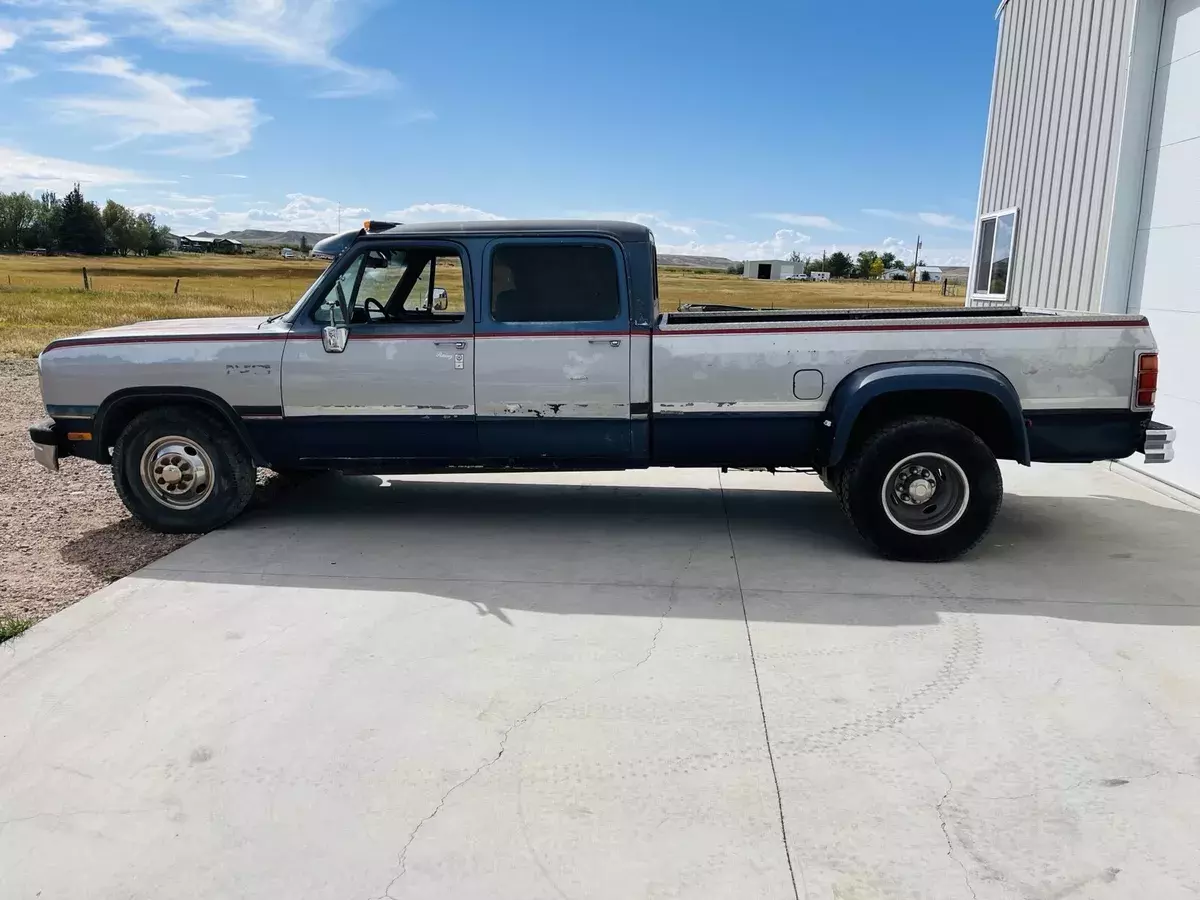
(1147, 380)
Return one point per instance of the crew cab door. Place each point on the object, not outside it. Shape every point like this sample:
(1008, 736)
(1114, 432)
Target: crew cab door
(403, 388)
(552, 358)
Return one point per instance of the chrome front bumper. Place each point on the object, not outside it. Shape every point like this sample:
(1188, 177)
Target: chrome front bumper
(44, 436)
(47, 456)
(1160, 443)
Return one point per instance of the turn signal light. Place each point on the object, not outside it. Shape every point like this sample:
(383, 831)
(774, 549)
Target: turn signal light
(1147, 379)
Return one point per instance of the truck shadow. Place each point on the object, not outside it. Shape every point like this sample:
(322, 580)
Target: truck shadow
(628, 549)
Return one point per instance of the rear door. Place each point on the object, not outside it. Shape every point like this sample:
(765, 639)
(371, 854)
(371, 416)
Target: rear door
(552, 354)
(404, 386)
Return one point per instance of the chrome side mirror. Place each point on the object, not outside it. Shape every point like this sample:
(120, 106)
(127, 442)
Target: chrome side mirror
(441, 299)
(334, 338)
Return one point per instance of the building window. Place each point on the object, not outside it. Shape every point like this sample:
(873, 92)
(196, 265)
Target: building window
(993, 259)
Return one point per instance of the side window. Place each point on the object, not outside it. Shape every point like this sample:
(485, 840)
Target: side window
(554, 283)
(408, 286)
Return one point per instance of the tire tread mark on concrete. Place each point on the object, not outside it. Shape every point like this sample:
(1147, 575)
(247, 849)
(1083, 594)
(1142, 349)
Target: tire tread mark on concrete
(787, 852)
(402, 861)
(958, 666)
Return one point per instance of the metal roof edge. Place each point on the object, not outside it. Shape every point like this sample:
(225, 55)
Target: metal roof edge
(1000, 8)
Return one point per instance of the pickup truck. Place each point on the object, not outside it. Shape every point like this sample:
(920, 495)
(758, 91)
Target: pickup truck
(532, 346)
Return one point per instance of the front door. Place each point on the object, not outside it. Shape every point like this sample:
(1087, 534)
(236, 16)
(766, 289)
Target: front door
(403, 389)
(552, 357)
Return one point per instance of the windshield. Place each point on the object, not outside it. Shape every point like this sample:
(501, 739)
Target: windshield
(291, 314)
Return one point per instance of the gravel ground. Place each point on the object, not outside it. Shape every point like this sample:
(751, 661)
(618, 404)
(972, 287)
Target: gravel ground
(61, 536)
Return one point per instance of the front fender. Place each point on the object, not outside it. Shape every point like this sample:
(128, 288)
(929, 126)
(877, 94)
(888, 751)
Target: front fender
(860, 387)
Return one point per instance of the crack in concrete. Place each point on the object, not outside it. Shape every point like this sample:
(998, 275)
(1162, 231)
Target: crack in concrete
(942, 816)
(762, 709)
(402, 861)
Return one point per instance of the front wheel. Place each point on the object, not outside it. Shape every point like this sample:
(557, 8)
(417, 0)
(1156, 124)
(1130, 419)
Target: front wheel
(182, 471)
(923, 488)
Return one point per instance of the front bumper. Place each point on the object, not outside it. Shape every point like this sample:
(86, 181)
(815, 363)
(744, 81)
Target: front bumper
(1159, 446)
(47, 439)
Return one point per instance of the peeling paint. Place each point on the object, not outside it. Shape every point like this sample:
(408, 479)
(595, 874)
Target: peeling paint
(247, 368)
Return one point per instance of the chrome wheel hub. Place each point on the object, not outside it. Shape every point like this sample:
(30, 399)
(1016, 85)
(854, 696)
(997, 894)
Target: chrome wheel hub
(925, 494)
(177, 472)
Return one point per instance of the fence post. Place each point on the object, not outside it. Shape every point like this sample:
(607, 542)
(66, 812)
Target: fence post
(86, 285)
(176, 285)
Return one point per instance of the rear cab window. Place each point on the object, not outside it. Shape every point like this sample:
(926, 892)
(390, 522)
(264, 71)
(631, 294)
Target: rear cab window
(554, 282)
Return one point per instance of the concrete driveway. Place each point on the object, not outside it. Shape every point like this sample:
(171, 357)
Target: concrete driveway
(619, 686)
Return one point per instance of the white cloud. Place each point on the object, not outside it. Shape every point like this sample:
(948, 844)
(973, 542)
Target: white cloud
(803, 220)
(439, 212)
(72, 34)
(658, 222)
(295, 32)
(7, 39)
(932, 219)
(303, 212)
(934, 256)
(230, 175)
(779, 245)
(13, 74)
(163, 108)
(21, 171)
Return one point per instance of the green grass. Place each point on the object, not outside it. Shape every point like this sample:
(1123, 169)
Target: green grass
(11, 626)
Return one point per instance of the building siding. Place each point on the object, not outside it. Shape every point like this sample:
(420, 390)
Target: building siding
(1053, 143)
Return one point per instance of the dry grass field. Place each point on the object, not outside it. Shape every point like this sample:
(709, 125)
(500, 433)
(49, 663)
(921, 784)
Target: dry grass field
(42, 298)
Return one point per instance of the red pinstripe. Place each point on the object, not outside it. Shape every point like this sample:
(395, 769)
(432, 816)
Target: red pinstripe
(1047, 322)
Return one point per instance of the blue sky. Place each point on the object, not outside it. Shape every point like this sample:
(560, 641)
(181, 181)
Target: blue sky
(735, 129)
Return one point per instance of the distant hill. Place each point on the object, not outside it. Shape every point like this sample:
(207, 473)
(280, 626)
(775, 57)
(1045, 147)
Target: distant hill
(260, 238)
(694, 262)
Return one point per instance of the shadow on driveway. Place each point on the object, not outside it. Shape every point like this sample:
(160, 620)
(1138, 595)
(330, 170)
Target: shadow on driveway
(1101, 558)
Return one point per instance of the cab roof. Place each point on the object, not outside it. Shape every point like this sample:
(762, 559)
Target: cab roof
(620, 231)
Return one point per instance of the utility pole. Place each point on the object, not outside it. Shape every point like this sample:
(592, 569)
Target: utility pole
(916, 259)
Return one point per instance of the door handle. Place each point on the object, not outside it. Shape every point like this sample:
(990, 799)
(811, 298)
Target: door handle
(611, 343)
(458, 345)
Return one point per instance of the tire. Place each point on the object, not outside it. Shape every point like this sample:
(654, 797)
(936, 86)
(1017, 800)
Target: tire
(205, 476)
(830, 477)
(883, 489)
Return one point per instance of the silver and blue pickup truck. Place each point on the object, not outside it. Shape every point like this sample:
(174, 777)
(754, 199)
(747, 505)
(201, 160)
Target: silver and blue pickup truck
(510, 346)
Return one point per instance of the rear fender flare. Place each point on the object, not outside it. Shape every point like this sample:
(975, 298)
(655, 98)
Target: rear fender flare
(859, 388)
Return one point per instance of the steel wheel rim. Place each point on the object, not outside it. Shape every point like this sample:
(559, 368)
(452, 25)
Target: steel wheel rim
(925, 494)
(177, 472)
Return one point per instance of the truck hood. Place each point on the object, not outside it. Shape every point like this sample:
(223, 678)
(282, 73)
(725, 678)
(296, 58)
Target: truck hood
(216, 328)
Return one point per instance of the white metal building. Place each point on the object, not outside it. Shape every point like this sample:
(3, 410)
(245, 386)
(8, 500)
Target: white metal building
(770, 269)
(1090, 195)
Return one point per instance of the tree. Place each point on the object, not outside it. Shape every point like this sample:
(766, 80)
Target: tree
(18, 213)
(158, 238)
(47, 221)
(925, 276)
(890, 261)
(121, 229)
(81, 225)
(866, 258)
(877, 267)
(839, 265)
(303, 243)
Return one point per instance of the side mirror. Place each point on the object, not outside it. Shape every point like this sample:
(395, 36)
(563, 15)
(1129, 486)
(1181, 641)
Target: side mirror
(334, 338)
(441, 299)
